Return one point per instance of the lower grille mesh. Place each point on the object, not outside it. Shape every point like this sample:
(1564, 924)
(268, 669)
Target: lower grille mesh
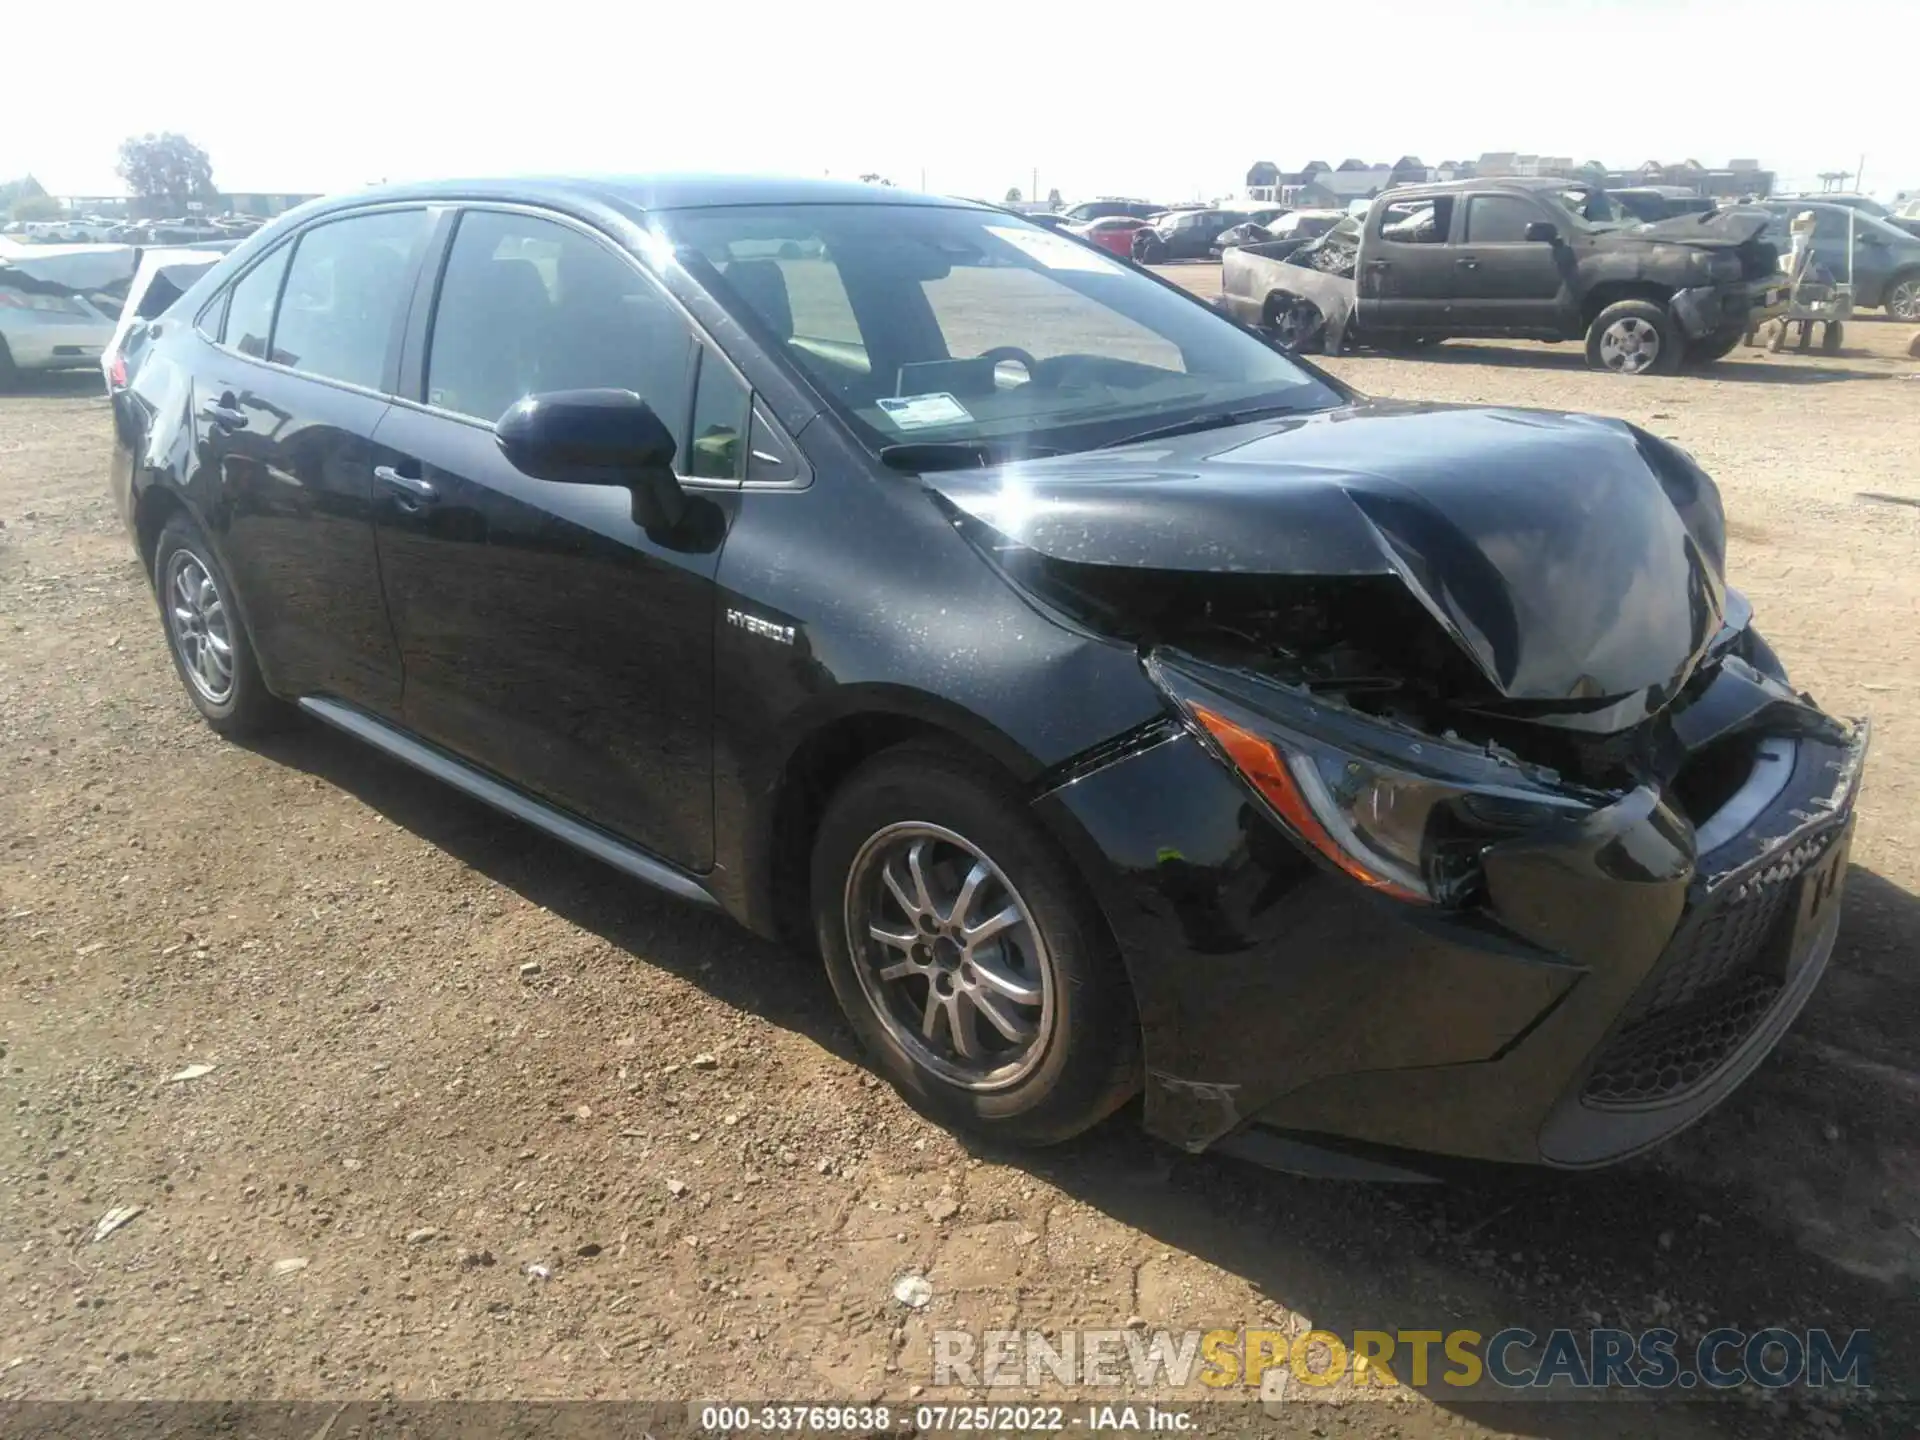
(1677, 1049)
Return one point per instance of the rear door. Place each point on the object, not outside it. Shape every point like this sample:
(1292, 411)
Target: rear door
(1406, 277)
(1504, 281)
(285, 410)
(546, 636)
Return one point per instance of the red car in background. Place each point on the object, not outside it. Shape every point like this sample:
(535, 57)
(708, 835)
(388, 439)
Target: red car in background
(1112, 232)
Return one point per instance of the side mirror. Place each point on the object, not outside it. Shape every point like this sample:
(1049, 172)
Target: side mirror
(1543, 232)
(597, 437)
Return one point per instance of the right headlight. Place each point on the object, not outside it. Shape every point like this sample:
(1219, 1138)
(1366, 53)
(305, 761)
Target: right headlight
(1405, 815)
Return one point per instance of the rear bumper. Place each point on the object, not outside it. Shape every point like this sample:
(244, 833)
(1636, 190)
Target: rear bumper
(57, 347)
(1612, 989)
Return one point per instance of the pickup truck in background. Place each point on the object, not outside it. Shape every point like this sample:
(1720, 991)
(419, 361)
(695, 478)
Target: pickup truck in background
(1518, 258)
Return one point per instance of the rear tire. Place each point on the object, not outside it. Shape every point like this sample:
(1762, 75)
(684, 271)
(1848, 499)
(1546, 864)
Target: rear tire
(1635, 337)
(1073, 1055)
(205, 636)
(9, 372)
(1903, 296)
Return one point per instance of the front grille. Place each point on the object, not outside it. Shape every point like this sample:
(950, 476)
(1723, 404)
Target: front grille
(1678, 1049)
(1705, 996)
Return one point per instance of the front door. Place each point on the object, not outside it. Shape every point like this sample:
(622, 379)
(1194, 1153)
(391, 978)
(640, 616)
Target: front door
(1505, 281)
(286, 409)
(547, 637)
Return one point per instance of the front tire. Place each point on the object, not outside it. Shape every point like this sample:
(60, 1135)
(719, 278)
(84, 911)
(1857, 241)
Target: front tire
(1716, 346)
(965, 952)
(1635, 337)
(208, 643)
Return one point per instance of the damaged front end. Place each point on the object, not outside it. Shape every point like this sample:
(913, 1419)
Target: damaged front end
(1559, 846)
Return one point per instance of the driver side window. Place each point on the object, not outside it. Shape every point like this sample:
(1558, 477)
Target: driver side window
(529, 305)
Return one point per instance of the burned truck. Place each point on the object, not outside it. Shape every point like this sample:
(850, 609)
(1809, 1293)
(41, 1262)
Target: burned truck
(1523, 259)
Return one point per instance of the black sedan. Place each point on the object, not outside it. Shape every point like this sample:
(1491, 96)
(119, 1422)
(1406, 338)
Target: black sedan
(1181, 235)
(1115, 703)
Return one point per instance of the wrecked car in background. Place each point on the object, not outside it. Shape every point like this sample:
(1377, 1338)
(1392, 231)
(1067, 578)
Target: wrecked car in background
(1292, 225)
(1515, 258)
(163, 276)
(58, 305)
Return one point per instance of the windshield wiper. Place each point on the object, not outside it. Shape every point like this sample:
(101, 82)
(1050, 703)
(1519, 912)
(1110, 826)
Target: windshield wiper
(1212, 420)
(958, 454)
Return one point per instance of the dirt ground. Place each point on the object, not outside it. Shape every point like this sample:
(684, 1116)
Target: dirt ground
(533, 1132)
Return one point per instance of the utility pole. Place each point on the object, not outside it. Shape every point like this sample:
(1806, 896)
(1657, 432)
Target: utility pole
(1860, 174)
(1034, 193)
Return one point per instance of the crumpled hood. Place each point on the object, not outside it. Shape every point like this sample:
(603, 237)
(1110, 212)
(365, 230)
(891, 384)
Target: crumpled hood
(1572, 557)
(1718, 229)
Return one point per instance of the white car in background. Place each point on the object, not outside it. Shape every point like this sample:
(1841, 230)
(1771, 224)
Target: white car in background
(58, 305)
(163, 276)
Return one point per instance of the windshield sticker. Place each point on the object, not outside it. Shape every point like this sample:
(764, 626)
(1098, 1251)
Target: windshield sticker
(924, 412)
(1056, 252)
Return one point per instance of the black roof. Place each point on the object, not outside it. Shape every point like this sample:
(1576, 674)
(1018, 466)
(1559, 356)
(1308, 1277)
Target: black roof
(654, 192)
(1496, 182)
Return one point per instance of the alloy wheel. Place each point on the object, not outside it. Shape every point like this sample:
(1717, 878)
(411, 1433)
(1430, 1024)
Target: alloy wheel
(949, 957)
(1629, 345)
(200, 626)
(1903, 303)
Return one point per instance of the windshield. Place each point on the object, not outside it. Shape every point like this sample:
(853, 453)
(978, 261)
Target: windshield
(1586, 209)
(929, 324)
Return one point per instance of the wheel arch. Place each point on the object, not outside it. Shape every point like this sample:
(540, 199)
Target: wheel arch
(828, 746)
(154, 504)
(1612, 292)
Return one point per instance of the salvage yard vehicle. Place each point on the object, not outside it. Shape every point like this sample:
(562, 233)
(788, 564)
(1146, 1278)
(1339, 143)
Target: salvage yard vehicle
(1181, 235)
(1112, 233)
(1115, 702)
(58, 305)
(1881, 261)
(1511, 258)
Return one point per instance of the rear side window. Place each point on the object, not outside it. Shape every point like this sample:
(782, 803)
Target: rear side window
(345, 293)
(250, 311)
(528, 306)
(1417, 222)
(1499, 220)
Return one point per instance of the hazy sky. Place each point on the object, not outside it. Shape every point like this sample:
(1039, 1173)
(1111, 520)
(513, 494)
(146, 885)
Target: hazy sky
(1164, 101)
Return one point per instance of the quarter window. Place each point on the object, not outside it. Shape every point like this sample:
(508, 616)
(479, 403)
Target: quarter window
(345, 293)
(716, 449)
(1499, 220)
(528, 306)
(250, 311)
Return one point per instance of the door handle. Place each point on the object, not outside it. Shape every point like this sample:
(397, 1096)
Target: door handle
(1379, 265)
(411, 492)
(1468, 264)
(225, 416)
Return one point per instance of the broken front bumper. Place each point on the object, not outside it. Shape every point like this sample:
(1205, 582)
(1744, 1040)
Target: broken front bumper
(1706, 309)
(1613, 987)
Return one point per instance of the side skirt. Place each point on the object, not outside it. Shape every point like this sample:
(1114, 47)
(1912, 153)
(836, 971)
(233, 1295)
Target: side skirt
(505, 798)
